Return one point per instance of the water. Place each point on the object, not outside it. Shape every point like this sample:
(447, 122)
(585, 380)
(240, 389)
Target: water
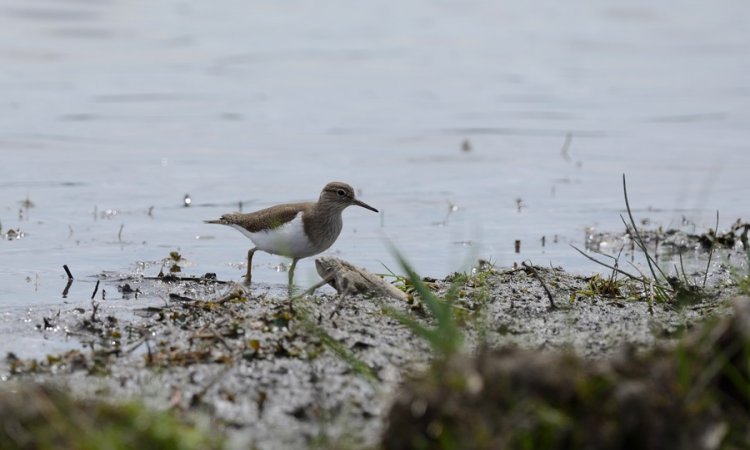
(113, 111)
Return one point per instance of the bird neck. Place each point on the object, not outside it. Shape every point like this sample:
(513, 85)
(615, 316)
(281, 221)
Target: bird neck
(323, 223)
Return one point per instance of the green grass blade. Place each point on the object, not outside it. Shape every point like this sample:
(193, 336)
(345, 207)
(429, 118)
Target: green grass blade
(639, 240)
(446, 337)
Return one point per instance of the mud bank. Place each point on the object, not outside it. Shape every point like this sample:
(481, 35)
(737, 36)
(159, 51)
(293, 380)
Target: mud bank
(322, 371)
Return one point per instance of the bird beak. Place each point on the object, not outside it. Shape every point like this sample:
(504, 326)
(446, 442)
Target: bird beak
(364, 205)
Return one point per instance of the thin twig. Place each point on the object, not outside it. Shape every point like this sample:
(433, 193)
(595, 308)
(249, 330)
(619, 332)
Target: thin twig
(544, 285)
(174, 278)
(96, 288)
(711, 253)
(135, 346)
(614, 268)
(70, 275)
(67, 288)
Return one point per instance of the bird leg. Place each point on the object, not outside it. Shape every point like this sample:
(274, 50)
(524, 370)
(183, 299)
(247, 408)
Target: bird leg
(250, 254)
(291, 271)
(290, 288)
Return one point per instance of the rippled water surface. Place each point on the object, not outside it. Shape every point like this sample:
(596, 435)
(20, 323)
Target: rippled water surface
(111, 112)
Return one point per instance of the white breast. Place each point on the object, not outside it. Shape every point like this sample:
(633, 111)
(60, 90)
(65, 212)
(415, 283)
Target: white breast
(287, 240)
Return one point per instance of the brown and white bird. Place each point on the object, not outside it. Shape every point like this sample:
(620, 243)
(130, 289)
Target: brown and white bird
(295, 230)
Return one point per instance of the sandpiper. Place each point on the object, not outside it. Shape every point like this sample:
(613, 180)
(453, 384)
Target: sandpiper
(295, 230)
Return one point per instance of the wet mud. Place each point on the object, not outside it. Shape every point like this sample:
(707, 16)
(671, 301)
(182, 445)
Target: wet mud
(323, 370)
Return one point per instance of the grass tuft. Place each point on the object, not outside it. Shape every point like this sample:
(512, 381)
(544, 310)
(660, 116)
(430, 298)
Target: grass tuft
(656, 286)
(41, 417)
(445, 337)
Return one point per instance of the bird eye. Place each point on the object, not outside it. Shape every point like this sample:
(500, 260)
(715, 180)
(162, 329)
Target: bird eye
(341, 192)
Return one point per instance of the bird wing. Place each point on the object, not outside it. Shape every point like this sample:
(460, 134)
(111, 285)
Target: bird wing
(264, 219)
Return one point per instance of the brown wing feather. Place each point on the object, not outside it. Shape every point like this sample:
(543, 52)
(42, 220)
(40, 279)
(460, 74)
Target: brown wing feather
(264, 219)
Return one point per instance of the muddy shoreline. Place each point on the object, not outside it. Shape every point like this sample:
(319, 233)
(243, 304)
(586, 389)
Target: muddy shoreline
(324, 372)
